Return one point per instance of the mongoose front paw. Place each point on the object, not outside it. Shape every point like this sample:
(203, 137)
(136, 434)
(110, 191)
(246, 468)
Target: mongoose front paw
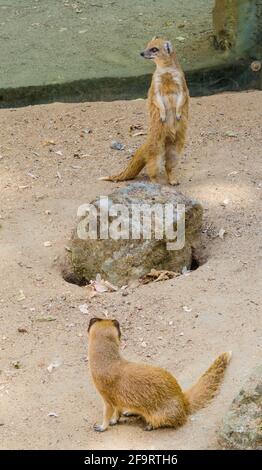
(99, 428)
(163, 117)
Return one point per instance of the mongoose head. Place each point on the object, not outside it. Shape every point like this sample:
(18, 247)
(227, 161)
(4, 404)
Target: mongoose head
(158, 50)
(105, 328)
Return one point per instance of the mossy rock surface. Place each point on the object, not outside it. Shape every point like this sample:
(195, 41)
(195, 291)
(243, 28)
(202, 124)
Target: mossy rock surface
(242, 425)
(122, 260)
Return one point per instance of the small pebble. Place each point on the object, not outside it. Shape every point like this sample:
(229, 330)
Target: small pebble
(117, 145)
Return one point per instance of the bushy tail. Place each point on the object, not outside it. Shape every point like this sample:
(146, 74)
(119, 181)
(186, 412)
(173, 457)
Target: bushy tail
(135, 166)
(206, 387)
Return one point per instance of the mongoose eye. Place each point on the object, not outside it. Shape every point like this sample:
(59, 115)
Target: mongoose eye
(154, 49)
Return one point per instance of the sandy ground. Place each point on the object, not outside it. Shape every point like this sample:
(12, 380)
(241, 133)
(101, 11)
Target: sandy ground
(41, 186)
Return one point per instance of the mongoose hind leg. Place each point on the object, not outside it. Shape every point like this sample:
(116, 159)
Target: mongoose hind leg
(152, 170)
(173, 149)
(172, 415)
(155, 158)
(170, 163)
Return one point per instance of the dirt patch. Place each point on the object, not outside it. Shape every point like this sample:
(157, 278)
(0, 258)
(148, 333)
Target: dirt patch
(49, 165)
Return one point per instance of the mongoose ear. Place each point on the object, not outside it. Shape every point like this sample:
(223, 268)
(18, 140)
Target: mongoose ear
(168, 47)
(117, 325)
(92, 321)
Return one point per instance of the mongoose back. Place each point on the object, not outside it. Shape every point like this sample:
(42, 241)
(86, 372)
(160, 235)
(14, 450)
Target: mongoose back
(168, 100)
(142, 389)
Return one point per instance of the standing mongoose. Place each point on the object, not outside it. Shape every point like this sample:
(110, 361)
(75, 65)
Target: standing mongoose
(168, 100)
(142, 389)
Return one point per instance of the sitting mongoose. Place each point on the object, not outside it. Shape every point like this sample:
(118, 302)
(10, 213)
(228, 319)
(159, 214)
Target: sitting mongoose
(168, 100)
(142, 389)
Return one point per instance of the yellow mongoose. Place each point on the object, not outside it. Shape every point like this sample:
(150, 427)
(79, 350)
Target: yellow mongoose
(142, 389)
(168, 99)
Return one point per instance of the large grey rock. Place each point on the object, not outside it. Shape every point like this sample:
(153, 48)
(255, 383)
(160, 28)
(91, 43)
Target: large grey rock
(120, 261)
(242, 426)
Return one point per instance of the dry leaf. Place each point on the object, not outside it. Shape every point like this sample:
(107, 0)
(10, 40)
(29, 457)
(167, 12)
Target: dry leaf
(102, 286)
(110, 286)
(134, 127)
(136, 134)
(46, 143)
(22, 330)
(156, 276)
(91, 292)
